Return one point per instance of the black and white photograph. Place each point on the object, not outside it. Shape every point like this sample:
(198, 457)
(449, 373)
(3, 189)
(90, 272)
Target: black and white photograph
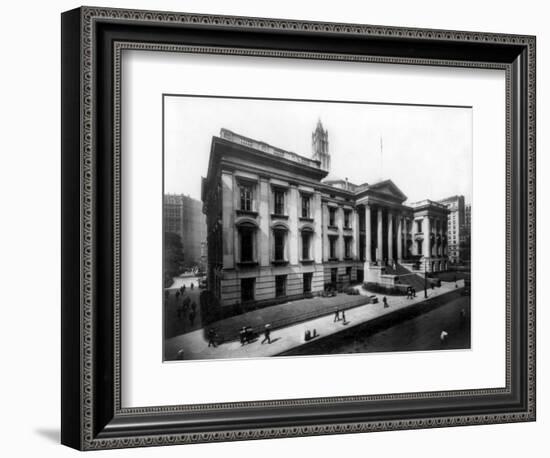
(314, 227)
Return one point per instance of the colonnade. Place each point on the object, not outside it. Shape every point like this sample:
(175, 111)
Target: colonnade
(433, 235)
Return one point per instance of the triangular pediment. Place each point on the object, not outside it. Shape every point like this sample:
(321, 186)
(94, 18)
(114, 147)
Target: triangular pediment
(389, 189)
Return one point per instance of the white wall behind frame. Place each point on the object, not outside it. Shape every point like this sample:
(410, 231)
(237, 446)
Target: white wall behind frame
(30, 173)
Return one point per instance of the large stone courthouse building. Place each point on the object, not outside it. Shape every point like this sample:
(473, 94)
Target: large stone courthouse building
(280, 227)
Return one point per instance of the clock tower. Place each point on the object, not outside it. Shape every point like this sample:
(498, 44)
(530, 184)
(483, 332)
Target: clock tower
(319, 146)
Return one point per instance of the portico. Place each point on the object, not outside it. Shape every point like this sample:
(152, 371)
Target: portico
(391, 236)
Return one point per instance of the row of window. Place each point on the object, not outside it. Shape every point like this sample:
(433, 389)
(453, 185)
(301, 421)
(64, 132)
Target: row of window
(419, 226)
(248, 286)
(279, 195)
(246, 201)
(247, 242)
(280, 236)
(333, 241)
(332, 217)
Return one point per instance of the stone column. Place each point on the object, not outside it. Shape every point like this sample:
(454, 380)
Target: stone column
(390, 236)
(380, 245)
(317, 213)
(355, 240)
(325, 231)
(427, 231)
(399, 238)
(368, 235)
(340, 224)
(434, 246)
(229, 230)
(264, 231)
(292, 236)
(441, 252)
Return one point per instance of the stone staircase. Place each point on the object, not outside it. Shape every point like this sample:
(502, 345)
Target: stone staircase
(407, 277)
(398, 269)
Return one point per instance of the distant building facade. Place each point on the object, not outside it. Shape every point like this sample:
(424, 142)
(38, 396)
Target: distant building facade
(468, 218)
(456, 227)
(467, 232)
(279, 227)
(183, 215)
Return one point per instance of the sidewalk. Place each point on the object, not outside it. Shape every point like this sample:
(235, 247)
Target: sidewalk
(285, 314)
(195, 346)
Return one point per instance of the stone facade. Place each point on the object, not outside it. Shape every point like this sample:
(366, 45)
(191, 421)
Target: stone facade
(280, 228)
(456, 227)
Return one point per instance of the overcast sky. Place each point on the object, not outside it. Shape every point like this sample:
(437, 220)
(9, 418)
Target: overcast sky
(426, 151)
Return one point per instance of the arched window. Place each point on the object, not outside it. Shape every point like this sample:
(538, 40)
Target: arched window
(279, 246)
(247, 241)
(307, 236)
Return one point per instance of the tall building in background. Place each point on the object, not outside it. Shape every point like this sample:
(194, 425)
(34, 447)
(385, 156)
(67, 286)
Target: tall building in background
(456, 227)
(183, 215)
(467, 232)
(319, 147)
(468, 218)
(173, 214)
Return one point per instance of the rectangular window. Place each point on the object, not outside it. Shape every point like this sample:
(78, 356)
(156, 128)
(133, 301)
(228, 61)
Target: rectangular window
(348, 272)
(246, 197)
(305, 206)
(279, 197)
(306, 239)
(334, 275)
(347, 222)
(347, 247)
(247, 244)
(332, 217)
(247, 289)
(280, 285)
(419, 225)
(332, 242)
(307, 282)
(279, 245)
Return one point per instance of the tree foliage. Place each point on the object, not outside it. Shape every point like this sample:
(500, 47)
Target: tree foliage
(173, 256)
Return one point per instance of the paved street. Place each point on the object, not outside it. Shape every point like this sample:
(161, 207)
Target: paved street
(418, 333)
(177, 316)
(195, 346)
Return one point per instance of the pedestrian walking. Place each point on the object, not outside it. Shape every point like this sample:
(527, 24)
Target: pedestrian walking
(192, 285)
(212, 338)
(183, 289)
(186, 303)
(267, 334)
(336, 315)
(414, 292)
(409, 293)
(192, 317)
(385, 302)
(344, 317)
(177, 295)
